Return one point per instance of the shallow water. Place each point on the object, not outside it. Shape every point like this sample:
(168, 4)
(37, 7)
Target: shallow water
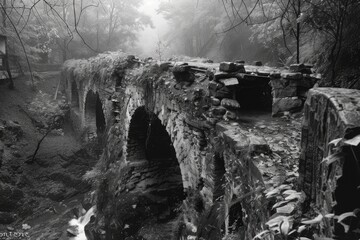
(81, 223)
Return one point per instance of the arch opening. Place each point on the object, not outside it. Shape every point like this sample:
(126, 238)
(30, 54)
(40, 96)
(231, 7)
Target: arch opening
(219, 177)
(151, 155)
(74, 96)
(94, 115)
(255, 97)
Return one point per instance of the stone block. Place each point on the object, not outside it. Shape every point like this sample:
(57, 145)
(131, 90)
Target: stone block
(291, 75)
(258, 63)
(223, 92)
(230, 115)
(230, 104)
(219, 111)
(288, 91)
(263, 73)
(182, 73)
(222, 75)
(215, 101)
(234, 137)
(275, 75)
(230, 81)
(214, 87)
(279, 83)
(258, 145)
(301, 68)
(286, 104)
(231, 67)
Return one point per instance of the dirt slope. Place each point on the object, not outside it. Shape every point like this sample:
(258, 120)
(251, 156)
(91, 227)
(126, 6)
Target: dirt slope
(39, 197)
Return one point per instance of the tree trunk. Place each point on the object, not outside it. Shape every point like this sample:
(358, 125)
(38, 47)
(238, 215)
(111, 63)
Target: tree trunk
(298, 43)
(97, 30)
(4, 15)
(64, 52)
(298, 33)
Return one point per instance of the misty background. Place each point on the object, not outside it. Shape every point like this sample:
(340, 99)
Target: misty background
(324, 33)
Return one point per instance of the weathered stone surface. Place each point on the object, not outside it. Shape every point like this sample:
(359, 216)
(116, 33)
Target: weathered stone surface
(223, 92)
(286, 104)
(234, 137)
(230, 81)
(329, 114)
(275, 75)
(221, 75)
(288, 91)
(182, 73)
(231, 115)
(230, 104)
(231, 67)
(290, 75)
(215, 101)
(214, 87)
(219, 111)
(300, 68)
(258, 145)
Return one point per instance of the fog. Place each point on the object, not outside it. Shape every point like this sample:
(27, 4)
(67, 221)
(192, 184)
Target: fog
(48, 32)
(150, 36)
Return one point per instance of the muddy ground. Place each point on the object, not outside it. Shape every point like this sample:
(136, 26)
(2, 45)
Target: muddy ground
(38, 196)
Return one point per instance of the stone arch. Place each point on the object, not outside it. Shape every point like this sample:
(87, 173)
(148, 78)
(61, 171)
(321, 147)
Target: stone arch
(94, 114)
(151, 153)
(75, 103)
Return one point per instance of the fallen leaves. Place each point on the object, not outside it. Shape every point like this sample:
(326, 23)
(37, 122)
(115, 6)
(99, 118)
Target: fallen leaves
(25, 226)
(315, 220)
(353, 141)
(287, 209)
(333, 158)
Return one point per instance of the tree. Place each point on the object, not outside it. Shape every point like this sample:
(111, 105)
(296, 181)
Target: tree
(270, 21)
(192, 31)
(324, 31)
(74, 28)
(337, 24)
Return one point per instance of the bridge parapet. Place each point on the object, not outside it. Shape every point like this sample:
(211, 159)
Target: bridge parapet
(329, 167)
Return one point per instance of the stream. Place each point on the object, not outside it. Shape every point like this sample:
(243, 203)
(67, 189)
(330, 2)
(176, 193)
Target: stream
(80, 224)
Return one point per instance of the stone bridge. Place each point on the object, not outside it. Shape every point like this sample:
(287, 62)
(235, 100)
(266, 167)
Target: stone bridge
(176, 160)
